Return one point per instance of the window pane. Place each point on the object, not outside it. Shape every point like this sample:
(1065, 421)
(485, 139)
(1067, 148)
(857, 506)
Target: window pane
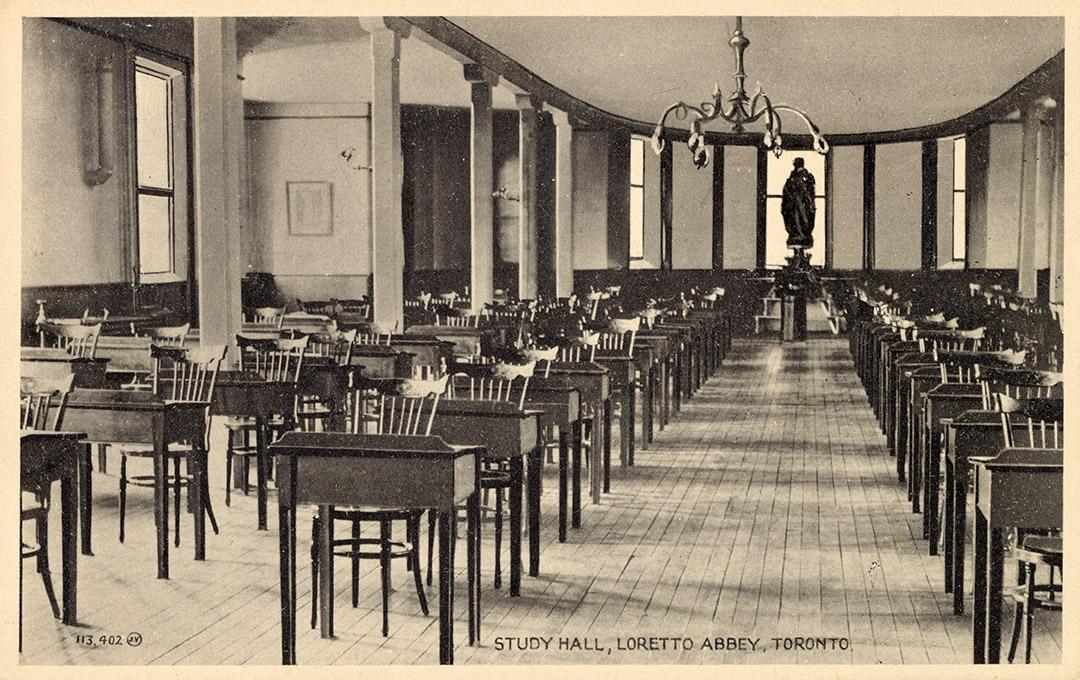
(637, 161)
(155, 234)
(959, 226)
(959, 163)
(152, 130)
(780, 168)
(637, 222)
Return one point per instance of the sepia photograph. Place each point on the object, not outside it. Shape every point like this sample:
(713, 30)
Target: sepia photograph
(588, 336)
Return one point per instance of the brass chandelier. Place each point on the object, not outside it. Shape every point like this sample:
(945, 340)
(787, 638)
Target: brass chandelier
(743, 109)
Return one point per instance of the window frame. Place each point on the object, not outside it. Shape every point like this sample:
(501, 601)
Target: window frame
(961, 151)
(168, 70)
(640, 186)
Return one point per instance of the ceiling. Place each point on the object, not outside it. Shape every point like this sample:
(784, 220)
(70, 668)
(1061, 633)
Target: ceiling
(885, 73)
(850, 74)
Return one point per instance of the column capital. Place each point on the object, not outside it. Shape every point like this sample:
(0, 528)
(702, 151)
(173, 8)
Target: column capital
(528, 101)
(560, 118)
(475, 73)
(382, 24)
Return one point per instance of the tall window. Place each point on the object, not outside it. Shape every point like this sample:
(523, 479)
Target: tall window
(959, 201)
(779, 169)
(155, 170)
(637, 198)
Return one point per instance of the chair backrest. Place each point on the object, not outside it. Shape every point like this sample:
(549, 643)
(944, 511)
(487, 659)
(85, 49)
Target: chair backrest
(78, 340)
(275, 360)
(491, 382)
(542, 356)
(273, 316)
(620, 336)
(166, 336)
(187, 375)
(458, 320)
(1020, 385)
(404, 406)
(334, 345)
(42, 402)
(958, 341)
(582, 348)
(1042, 426)
(374, 333)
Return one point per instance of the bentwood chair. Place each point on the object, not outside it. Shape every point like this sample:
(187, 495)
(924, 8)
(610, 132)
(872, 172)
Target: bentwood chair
(165, 336)
(400, 406)
(277, 361)
(273, 316)
(1040, 425)
(41, 408)
(503, 382)
(334, 347)
(78, 340)
(179, 376)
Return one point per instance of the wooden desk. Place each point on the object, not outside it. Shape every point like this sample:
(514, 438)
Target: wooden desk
(594, 387)
(408, 472)
(661, 345)
(467, 341)
(128, 355)
(426, 350)
(943, 402)
(61, 454)
(129, 417)
(381, 361)
(511, 435)
(561, 406)
(645, 366)
(44, 362)
(329, 383)
(248, 395)
(1019, 488)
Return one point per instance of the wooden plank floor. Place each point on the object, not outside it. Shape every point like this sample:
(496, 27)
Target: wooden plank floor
(768, 509)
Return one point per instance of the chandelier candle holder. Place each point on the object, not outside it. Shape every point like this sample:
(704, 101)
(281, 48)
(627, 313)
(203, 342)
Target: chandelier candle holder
(743, 110)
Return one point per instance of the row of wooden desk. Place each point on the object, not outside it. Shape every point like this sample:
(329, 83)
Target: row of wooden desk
(927, 421)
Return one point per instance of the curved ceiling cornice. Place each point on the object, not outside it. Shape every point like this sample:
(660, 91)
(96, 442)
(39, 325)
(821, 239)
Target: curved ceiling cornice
(1047, 78)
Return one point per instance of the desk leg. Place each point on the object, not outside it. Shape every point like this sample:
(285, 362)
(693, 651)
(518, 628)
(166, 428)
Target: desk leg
(978, 619)
(564, 460)
(647, 422)
(959, 538)
(629, 413)
(287, 555)
(933, 476)
(69, 502)
(950, 502)
(472, 548)
(260, 469)
(515, 526)
(86, 499)
(606, 425)
(446, 585)
(533, 489)
(596, 464)
(161, 503)
(575, 480)
(665, 395)
(995, 563)
(197, 465)
(326, 572)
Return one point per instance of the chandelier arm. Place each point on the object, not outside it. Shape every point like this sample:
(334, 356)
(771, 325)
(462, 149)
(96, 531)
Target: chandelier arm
(821, 145)
(681, 110)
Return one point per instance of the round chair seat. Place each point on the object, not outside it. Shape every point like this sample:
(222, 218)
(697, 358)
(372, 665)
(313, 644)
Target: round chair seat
(1049, 548)
(241, 424)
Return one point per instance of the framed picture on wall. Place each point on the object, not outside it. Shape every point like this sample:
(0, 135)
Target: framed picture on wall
(310, 207)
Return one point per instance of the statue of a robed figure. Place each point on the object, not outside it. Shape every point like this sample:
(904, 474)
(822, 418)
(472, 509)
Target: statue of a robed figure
(795, 281)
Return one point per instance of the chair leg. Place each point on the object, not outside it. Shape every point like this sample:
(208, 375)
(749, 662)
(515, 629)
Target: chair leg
(206, 494)
(384, 567)
(247, 462)
(176, 498)
(498, 537)
(43, 564)
(430, 544)
(314, 572)
(123, 493)
(1018, 617)
(355, 563)
(102, 459)
(414, 559)
(228, 468)
(1029, 612)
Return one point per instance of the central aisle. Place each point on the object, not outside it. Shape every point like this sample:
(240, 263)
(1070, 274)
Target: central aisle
(768, 509)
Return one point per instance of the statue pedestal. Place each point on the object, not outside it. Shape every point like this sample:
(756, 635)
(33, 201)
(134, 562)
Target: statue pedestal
(793, 284)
